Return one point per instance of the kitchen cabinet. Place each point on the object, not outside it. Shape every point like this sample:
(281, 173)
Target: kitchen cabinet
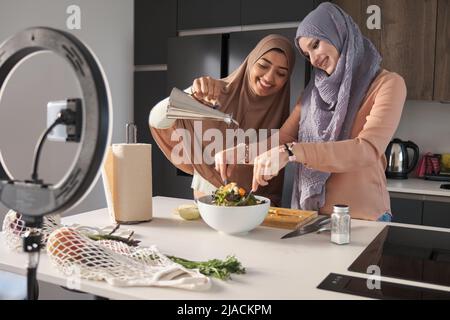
(406, 40)
(442, 71)
(406, 211)
(149, 89)
(268, 11)
(191, 57)
(436, 214)
(408, 43)
(420, 212)
(194, 14)
(154, 22)
(357, 9)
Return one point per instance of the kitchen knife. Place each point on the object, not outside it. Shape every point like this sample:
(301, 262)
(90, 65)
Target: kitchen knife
(312, 227)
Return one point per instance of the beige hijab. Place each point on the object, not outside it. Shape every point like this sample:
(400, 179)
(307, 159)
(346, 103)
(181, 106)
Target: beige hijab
(250, 111)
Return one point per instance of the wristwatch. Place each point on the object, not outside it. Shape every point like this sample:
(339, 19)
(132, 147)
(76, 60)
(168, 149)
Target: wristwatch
(288, 149)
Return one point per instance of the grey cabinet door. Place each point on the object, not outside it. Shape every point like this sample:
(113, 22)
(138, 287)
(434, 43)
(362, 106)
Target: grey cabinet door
(195, 14)
(436, 214)
(149, 89)
(406, 211)
(154, 22)
(192, 57)
(268, 11)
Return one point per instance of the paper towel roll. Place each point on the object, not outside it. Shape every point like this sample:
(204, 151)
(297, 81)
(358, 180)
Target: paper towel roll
(127, 178)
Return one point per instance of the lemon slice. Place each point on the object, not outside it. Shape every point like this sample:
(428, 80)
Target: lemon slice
(188, 212)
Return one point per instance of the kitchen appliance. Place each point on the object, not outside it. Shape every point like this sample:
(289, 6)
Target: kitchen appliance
(398, 164)
(386, 290)
(408, 253)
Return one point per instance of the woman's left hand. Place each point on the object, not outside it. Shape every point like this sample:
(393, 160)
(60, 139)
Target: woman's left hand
(267, 166)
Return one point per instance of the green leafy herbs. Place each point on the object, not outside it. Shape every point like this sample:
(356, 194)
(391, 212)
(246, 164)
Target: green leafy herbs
(231, 195)
(221, 269)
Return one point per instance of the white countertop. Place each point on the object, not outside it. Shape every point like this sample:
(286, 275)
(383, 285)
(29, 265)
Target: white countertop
(418, 186)
(276, 269)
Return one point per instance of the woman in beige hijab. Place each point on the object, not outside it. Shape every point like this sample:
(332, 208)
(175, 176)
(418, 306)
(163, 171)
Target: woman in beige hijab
(257, 94)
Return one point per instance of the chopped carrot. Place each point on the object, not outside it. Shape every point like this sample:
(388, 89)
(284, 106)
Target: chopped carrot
(242, 192)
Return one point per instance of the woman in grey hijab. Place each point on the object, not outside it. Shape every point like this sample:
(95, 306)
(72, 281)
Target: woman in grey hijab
(343, 121)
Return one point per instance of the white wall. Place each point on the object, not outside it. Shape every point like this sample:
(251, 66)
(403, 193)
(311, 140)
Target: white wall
(107, 27)
(427, 124)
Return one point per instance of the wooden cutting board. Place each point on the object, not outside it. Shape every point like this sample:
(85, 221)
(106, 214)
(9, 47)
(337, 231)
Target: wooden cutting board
(284, 218)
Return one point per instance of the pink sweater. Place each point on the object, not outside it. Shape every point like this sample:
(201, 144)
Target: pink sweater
(357, 165)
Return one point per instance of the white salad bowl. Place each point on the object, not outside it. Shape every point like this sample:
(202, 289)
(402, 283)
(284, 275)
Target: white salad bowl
(233, 220)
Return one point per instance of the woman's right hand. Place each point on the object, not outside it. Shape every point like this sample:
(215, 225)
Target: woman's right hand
(209, 90)
(234, 155)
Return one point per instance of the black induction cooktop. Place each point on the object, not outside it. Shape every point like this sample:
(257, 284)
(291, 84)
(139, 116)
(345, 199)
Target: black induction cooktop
(408, 253)
(386, 290)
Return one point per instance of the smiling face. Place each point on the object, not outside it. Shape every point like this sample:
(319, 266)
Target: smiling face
(321, 54)
(269, 74)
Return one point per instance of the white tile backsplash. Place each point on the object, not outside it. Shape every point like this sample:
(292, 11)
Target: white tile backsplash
(427, 124)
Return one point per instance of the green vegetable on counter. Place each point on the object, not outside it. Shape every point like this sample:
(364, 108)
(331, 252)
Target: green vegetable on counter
(221, 269)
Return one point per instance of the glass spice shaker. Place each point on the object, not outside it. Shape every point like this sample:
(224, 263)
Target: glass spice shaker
(340, 224)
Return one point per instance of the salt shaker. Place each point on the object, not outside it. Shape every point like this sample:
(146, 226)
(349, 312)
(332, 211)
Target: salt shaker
(340, 224)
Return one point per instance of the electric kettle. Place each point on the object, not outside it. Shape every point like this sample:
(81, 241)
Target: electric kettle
(398, 164)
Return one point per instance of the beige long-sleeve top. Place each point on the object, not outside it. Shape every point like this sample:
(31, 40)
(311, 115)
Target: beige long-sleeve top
(158, 119)
(357, 165)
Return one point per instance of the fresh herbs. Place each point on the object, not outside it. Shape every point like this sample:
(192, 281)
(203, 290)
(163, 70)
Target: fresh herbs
(221, 269)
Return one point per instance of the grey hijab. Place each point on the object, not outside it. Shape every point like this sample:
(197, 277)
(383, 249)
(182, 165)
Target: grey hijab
(329, 104)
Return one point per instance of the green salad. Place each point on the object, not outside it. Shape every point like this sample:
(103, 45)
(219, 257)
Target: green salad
(231, 195)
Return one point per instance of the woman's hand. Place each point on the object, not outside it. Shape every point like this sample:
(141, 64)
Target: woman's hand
(267, 166)
(234, 155)
(209, 90)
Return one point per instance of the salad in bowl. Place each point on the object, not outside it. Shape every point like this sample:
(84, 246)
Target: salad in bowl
(231, 210)
(231, 195)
